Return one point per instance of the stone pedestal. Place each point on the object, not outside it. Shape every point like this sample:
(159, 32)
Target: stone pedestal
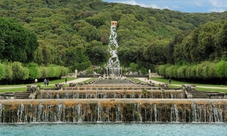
(76, 72)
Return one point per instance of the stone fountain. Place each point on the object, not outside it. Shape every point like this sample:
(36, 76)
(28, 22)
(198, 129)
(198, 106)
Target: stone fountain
(113, 68)
(113, 101)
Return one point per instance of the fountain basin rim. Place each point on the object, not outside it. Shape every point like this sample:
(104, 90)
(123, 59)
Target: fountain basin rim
(107, 91)
(117, 101)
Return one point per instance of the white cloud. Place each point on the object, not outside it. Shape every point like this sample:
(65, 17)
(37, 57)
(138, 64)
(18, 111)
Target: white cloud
(218, 3)
(133, 2)
(180, 5)
(217, 10)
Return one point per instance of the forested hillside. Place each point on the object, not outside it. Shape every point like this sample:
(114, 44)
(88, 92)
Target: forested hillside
(74, 33)
(199, 56)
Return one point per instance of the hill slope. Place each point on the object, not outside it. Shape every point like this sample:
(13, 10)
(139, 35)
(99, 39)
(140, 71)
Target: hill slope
(66, 28)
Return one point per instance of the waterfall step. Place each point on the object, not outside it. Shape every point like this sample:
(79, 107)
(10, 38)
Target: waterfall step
(21, 95)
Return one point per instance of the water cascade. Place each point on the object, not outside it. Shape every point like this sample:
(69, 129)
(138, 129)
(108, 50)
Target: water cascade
(113, 110)
(104, 94)
(109, 101)
(113, 66)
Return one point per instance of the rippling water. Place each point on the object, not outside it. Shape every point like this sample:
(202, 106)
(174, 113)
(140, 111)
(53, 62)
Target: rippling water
(61, 129)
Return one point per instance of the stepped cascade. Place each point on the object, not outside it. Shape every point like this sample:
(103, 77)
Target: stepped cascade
(110, 101)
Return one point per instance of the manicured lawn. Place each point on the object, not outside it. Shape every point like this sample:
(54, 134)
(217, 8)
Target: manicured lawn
(200, 87)
(19, 89)
(160, 79)
(174, 84)
(23, 87)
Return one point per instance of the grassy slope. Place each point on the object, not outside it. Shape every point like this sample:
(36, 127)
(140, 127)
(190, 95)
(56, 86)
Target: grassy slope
(200, 87)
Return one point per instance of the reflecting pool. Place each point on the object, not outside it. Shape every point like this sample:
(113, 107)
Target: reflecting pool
(116, 129)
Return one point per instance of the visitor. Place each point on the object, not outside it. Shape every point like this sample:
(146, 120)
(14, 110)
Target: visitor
(45, 82)
(65, 80)
(36, 80)
(169, 80)
(48, 82)
(150, 81)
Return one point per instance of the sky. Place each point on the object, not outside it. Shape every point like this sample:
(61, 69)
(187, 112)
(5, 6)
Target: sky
(191, 6)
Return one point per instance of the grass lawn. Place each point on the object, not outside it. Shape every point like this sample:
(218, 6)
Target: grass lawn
(174, 84)
(23, 87)
(200, 87)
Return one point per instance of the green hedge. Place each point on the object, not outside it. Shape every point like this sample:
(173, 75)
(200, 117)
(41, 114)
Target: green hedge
(17, 71)
(222, 69)
(2, 71)
(205, 70)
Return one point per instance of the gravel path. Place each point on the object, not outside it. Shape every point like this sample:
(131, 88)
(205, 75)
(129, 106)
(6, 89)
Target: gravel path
(76, 80)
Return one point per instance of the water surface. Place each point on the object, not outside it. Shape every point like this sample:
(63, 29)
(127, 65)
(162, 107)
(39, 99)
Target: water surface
(117, 129)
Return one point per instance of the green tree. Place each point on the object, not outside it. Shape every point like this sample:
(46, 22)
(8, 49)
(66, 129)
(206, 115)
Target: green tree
(2, 71)
(76, 59)
(97, 53)
(17, 43)
(221, 69)
(19, 72)
(133, 67)
(8, 72)
(33, 71)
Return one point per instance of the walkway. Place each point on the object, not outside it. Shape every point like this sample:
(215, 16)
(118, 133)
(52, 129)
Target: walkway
(143, 79)
(77, 80)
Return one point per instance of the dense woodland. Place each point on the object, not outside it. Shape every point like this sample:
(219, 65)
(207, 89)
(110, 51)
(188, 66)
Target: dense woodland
(74, 34)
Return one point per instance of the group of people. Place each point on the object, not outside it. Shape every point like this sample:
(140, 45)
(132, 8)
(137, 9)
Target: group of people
(46, 82)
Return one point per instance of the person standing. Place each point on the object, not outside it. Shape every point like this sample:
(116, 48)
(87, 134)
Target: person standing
(48, 82)
(45, 81)
(36, 80)
(169, 80)
(65, 80)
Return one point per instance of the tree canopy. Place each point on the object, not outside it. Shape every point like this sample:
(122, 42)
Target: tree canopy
(74, 33)
(17, 43)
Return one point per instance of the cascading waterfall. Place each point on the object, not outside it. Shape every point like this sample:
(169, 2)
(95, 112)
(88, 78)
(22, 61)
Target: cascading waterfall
(57, 96)
(1, 112)
(112, 110)
(184, 115)
(20, 111)
(118, 113)
(99, 110)
(59, 112)
(194, 112)
(40, 111)
(103, 94)
(155, 113)
(138, 109)
(174, 113)
(79, 113)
